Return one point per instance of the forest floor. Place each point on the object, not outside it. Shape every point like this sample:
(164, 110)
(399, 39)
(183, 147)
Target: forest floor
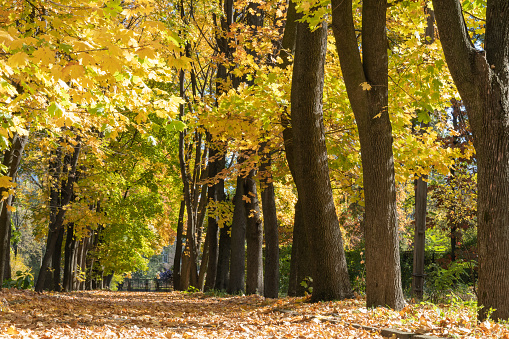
(103, 314)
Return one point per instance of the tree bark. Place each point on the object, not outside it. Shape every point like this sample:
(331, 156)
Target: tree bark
(216, 193)
(178, 247)
(421, 193)
(270, 228)
(69, 259)
(12, 160)
(254, 237)
(482, 79)
(238, 241)
(300, 266)
(383, 272)
(223, 259)
(330, 274)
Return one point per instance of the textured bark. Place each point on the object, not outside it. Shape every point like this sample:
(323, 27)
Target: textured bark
(421, 193)
(238, 241)
(178, 247)
(12, 160)
(216, 193)
(223, 259)
(270, 228)
(482, 79)
(254, 238)
(300, 266)
(383, 272)
(330, 275)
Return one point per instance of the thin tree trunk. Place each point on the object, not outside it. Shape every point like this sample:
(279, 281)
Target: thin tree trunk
(178, 247)
(330, 274)
(254, 237)
(421, 193)
(270, 225)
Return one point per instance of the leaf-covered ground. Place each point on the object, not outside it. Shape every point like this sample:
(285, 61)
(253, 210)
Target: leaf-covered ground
(100, 314)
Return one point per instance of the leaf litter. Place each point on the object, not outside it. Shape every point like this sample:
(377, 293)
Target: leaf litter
(105, 314)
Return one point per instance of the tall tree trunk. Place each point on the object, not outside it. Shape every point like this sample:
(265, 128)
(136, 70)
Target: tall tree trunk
(300, 265)
(421, 197)
(254, 237)
(383, 271)
(57, 222)
(12, 160)
(178, 247)
(238, 240)
(330, 274)
(270, 228)
(217, 160)
(482, 79)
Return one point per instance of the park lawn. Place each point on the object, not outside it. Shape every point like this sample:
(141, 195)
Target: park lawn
(105, 314)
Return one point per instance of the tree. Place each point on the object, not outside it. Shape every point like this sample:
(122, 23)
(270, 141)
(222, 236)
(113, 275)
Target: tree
(330, 275)
(482, 79)
(366, 82)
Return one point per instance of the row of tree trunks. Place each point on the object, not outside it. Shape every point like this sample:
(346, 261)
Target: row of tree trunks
(59, 199)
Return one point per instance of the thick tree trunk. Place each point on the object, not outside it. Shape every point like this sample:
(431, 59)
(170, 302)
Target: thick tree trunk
(330, 274)
(482, 79)
(57, 260)
(178, 247)
(254, 238)
(270, 228)
(238, 241)
(383, 272)
(12, 160)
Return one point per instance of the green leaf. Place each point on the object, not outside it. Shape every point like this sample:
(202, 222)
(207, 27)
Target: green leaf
(98, 110)
(55, 110)
(177, 125)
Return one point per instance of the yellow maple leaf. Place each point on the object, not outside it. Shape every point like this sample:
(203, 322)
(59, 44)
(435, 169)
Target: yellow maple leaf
(18, 60)
(365, 86)
(6, 182)
(10, 208)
